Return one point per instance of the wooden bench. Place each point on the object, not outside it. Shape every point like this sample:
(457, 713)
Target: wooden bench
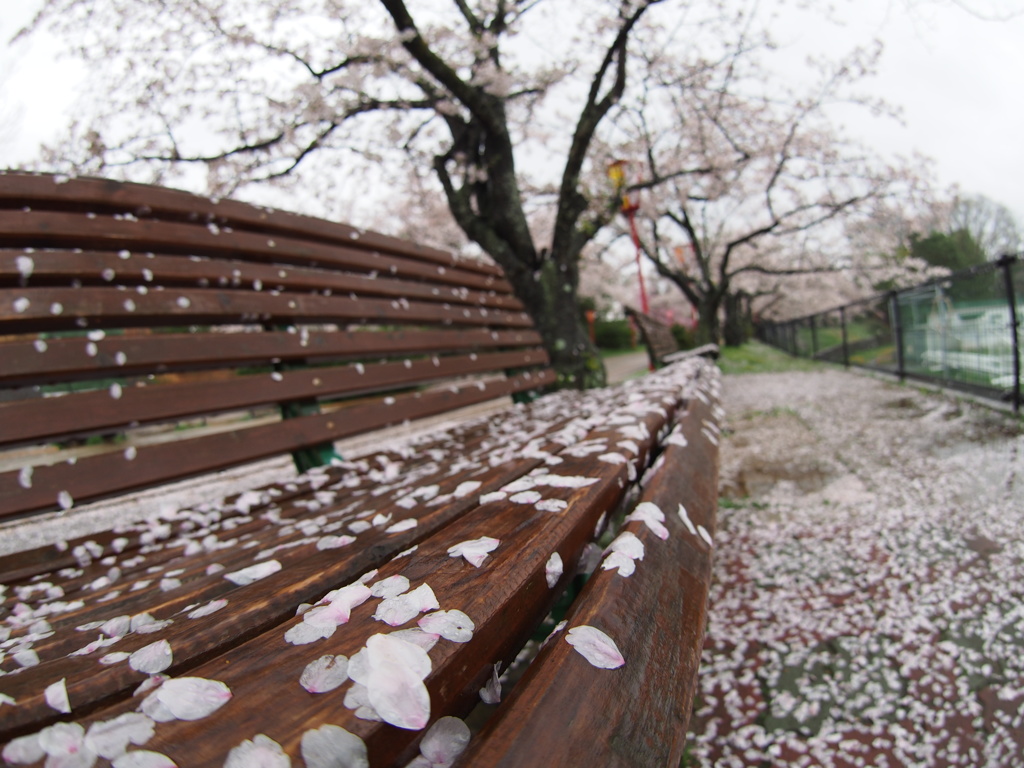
(148, 335)
(662, 346)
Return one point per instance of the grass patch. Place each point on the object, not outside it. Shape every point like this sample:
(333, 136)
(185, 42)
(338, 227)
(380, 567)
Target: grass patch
(755, 357)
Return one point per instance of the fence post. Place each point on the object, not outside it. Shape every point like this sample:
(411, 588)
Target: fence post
(897, 332)
(846, 348)
(1006, 262)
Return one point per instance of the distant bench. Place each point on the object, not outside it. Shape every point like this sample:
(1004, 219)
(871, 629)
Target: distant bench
(148, 335)
(662, 346)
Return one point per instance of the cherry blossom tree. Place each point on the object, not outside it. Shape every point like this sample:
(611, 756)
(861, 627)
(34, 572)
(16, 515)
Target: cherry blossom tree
(761, 187)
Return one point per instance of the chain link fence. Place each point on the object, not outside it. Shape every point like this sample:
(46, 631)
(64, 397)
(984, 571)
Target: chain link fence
(960, 331)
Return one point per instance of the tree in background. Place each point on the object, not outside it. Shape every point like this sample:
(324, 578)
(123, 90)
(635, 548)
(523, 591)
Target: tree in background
(758, 188)
(955, 251)
(991, 226)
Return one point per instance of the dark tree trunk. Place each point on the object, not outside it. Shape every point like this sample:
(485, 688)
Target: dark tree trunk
(550, 299)
(736, 321)
(709, 329)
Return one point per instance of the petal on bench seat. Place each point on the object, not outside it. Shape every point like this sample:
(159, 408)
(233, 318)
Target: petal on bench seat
(595, 646)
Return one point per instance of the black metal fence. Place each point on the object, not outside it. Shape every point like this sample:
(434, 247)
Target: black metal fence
(960, 331)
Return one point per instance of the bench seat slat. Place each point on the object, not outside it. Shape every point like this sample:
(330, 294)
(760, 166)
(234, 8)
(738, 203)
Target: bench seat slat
(68, 359)
(112, 308)
(656, 616)
(83, 413)
(20, 191)
(48, 229)
(100, 476)
(106, 268)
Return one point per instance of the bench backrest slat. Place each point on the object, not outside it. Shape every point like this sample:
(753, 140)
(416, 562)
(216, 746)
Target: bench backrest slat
(124, 307)
(100, 476)
(23, 192)
(135, 237)
(71, 359)
(102, 268)
(96, 411)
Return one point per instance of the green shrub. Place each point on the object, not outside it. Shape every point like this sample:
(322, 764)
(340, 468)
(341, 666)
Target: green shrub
(685, 338)
(613, 334)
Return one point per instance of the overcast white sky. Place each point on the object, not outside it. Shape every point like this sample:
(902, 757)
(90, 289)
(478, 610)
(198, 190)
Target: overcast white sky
(959, 80)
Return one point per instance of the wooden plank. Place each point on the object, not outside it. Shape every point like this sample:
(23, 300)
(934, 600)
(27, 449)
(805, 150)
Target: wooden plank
(53, 309)
(107, 268)
(656, 617)
(47, 191)
(41, 361)
(107, 474)
(97, 411)
(47, 229)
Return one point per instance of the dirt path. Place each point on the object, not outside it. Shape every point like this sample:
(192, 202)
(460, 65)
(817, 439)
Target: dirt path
(868, 605)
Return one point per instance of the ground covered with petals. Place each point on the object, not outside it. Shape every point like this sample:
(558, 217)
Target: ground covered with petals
(868, 601)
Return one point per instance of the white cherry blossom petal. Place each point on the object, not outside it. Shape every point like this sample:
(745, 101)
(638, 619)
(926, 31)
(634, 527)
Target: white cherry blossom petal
(525, 497)
(347, 598)
(119, 626)
(563, 481)
(397, 610)
(553, 569)
(331, 746)
(358, 699)
(56, 695)
(628, 544)
(551, 505)
(625, 565)
(416, 636)
(253, 573)
(475, 551)
(205, 610)
(110, 738)
(451, 625)
(395, 681)
(24, 750)
(389, 587)
(152, 658)
(193, 698)
(491, 692)
(652, 516)
(445, 741)
(595, 646)
(26, 658)
(259, 752)
(466, 488)
(685, 517)
(304, 633)
(143, 758)
(402, 525)
(334, 542)
(324, 674)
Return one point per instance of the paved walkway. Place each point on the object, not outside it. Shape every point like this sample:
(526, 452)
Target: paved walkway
(868, 600)
(622, 367)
